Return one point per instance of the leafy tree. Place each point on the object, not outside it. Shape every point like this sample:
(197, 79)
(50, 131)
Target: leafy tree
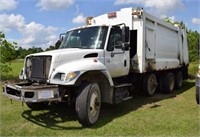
(21, 53)
(7, 49)
(50, 48)
(34, 50)
(170, 21)
(193, 41)
(8, 53)
(57, 45)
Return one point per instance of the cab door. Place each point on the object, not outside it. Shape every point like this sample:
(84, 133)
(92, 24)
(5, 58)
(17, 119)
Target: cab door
(116, 60)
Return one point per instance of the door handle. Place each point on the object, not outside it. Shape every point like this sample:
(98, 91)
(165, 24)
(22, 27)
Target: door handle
(124, 63)
(113, 53)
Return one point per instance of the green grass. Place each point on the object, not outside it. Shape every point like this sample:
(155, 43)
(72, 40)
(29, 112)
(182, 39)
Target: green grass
(16, 66)
(161, 115)
(174, 114)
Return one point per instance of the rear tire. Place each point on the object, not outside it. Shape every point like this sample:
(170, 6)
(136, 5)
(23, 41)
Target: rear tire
(37, 105)
(168, 83)
(160, 87)
(88, 103)
(178, 79)
(150, 84)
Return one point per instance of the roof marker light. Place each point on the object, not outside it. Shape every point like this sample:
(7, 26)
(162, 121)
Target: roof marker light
(112, 15)
(89, 20)
(136, 13)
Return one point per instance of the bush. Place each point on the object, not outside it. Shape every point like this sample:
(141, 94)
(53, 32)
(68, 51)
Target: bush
(8, 53)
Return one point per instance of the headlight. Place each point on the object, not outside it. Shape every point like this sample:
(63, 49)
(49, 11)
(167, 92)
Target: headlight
(67, 77)
(70, 76)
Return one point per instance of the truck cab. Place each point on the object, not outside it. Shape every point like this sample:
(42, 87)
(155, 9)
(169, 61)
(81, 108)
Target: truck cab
(103, 43)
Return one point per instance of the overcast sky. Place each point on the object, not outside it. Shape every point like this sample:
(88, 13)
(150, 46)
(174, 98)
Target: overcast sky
(38, 23)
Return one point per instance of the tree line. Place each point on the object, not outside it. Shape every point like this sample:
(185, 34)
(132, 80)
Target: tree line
(21, 53)
(10, 51)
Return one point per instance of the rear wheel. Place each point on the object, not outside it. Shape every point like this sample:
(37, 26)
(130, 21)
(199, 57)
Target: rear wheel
(159, 87)
(168, 82)
(37, 105)
(88, 103)
(178, 79)
(150, 84)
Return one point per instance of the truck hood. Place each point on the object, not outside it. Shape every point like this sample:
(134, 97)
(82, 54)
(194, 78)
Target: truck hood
(67, 55)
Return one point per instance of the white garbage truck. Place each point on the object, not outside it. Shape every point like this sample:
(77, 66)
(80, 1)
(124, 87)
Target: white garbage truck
(100, 62)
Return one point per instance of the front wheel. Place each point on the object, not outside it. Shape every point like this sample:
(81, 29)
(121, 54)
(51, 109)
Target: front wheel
(88, 104)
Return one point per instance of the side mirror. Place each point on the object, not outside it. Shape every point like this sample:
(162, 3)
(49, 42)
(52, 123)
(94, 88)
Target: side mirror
(125, 38)
(125, 34)
(21, 74)
(62, 35)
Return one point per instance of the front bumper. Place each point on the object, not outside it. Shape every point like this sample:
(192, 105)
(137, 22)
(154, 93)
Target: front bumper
(28, 92)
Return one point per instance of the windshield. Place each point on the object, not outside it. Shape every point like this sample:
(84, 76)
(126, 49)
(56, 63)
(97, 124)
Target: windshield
(85, 38)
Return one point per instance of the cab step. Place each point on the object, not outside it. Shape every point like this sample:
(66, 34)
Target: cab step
(127, 98)
(124, 99)
(123, 85)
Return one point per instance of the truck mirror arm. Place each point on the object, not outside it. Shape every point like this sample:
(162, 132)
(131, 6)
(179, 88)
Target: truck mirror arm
(125, 46)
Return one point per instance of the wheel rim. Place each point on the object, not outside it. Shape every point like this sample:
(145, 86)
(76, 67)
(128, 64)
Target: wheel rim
(152, 84)
(94, 104)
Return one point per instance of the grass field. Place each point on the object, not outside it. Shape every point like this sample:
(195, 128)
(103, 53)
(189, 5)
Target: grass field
(161, 115)
(16, 66)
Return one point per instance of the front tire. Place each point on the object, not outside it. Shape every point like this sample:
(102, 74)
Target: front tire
(88, 104)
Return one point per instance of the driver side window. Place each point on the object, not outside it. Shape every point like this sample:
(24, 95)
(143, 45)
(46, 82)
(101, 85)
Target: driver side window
(115, 39)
